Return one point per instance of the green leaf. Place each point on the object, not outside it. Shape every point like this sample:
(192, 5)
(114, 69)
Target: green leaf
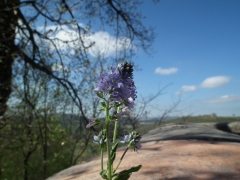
(122, 177)
(116, 104)
(110, 118)
(102, 134)
(113, 152)
(97, 121)
(101, 109)
(100, 94)
(103, 104)
(103, 173)
(125, 174)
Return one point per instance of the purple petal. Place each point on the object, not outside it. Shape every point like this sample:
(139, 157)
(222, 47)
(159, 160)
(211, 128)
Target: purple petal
(92, 122)
(95, 138)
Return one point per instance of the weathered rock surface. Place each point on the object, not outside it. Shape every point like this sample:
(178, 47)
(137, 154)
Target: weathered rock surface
(177, 151)
(199, 131)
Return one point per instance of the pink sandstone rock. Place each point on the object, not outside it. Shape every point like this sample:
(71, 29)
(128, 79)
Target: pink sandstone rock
(176, 160)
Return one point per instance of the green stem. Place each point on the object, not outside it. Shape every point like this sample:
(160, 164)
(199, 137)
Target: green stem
(115, 128)
(109, 167)
(115, 131)
(121, 159)
(101, 159)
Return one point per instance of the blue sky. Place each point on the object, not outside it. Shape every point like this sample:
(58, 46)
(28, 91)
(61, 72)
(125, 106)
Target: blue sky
(197, 49)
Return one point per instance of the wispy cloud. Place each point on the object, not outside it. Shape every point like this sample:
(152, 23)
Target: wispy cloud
(211, 82)
(223, 99)
(188, 88)
(216, 81)
(166, 71)
(101, 41)
(107, 44)
(59, 68)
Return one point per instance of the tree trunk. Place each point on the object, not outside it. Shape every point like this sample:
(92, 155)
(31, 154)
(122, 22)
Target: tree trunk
(8, 21)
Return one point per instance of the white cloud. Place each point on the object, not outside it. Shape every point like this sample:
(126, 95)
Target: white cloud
(223, 99)
(107, 44)
(167, 71)
(58, 68)
(142, 105)
(211, 82)
(101, 41)
(215, 81)
(188, 88)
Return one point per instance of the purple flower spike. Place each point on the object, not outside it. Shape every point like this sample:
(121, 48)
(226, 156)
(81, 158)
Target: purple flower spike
(126, 139)
(98, 140)
(137, 147)
(118, 86)
(124, 111)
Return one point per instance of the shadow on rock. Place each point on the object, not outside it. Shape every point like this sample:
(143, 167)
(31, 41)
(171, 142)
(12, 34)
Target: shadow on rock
(230, 127)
